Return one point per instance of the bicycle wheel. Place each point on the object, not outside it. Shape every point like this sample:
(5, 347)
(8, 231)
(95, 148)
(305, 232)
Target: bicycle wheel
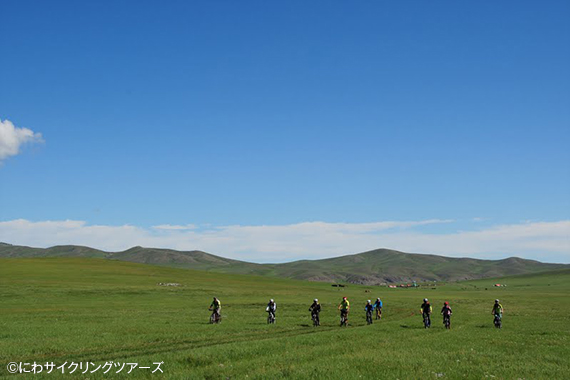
(497, 321)
(343, 319)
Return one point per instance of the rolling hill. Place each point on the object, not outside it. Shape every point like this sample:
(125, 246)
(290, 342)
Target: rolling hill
(369, 268)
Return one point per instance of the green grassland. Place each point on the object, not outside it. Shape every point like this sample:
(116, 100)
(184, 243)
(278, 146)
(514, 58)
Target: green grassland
(95, 310)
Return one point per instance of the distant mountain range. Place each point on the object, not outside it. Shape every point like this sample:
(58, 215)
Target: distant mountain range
(370, 268)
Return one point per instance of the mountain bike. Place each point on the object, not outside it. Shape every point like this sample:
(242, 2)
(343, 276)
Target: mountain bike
(270, 317)
(369, 317)
(315, 318)
(427, 321)
(378, 313)
(216, 317)
(344, 317)
(498, 323)
(447, 321)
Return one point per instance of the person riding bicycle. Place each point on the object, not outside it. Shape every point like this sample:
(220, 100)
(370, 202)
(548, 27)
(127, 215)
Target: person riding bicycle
(344, 308)
(271, 307)
(446, 312)
(369, 308)
(497, 310)
(378, 307)
(426, 310)
(315, 309)
(216, 307)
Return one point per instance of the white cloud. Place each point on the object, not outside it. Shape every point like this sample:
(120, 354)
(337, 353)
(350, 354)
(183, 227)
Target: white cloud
(12, 138)
(170, 227)
(545, 241)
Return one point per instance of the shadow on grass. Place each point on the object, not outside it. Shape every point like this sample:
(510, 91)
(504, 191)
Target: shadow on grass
(413, 327)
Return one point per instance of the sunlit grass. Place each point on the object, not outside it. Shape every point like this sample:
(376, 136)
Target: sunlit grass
(91, 310)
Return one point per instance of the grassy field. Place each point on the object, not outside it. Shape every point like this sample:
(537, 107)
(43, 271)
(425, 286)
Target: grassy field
(92, 310)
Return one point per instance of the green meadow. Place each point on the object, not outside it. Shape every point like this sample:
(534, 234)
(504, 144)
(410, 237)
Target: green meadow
(95, 311)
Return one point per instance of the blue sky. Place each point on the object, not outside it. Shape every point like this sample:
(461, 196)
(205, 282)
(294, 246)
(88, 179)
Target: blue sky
(276, 114)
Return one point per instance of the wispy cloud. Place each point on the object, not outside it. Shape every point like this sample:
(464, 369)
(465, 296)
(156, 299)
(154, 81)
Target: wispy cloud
(12, 138)
(545, 241)
(171, 227)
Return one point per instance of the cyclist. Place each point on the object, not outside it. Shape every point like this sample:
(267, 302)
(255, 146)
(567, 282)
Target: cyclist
(271, 307)
(446, 312)
(315, 309)
(344, 308)
(378, 308)
(215, 307)
(426, 310)
(498, 313)
(369, 308)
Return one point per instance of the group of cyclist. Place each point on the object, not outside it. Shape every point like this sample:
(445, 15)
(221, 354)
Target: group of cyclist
(344, 308)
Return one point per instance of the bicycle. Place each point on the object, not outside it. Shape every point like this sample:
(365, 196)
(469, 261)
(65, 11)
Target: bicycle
(270, 317)
(215, 318)
(369, 317)
(378, 313)
(498, 323)
(427, 321)
(315, 318)
(447, 321)
(344, 317)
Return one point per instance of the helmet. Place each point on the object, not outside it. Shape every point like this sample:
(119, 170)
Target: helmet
(368, 301)
(271, 300)
(446, 303)
(496, 301)
(425, 300)
(316, 300)
(378, 299)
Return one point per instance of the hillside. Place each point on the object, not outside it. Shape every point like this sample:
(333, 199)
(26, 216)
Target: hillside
(370, 268)
(383, 265)
(166, 257)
